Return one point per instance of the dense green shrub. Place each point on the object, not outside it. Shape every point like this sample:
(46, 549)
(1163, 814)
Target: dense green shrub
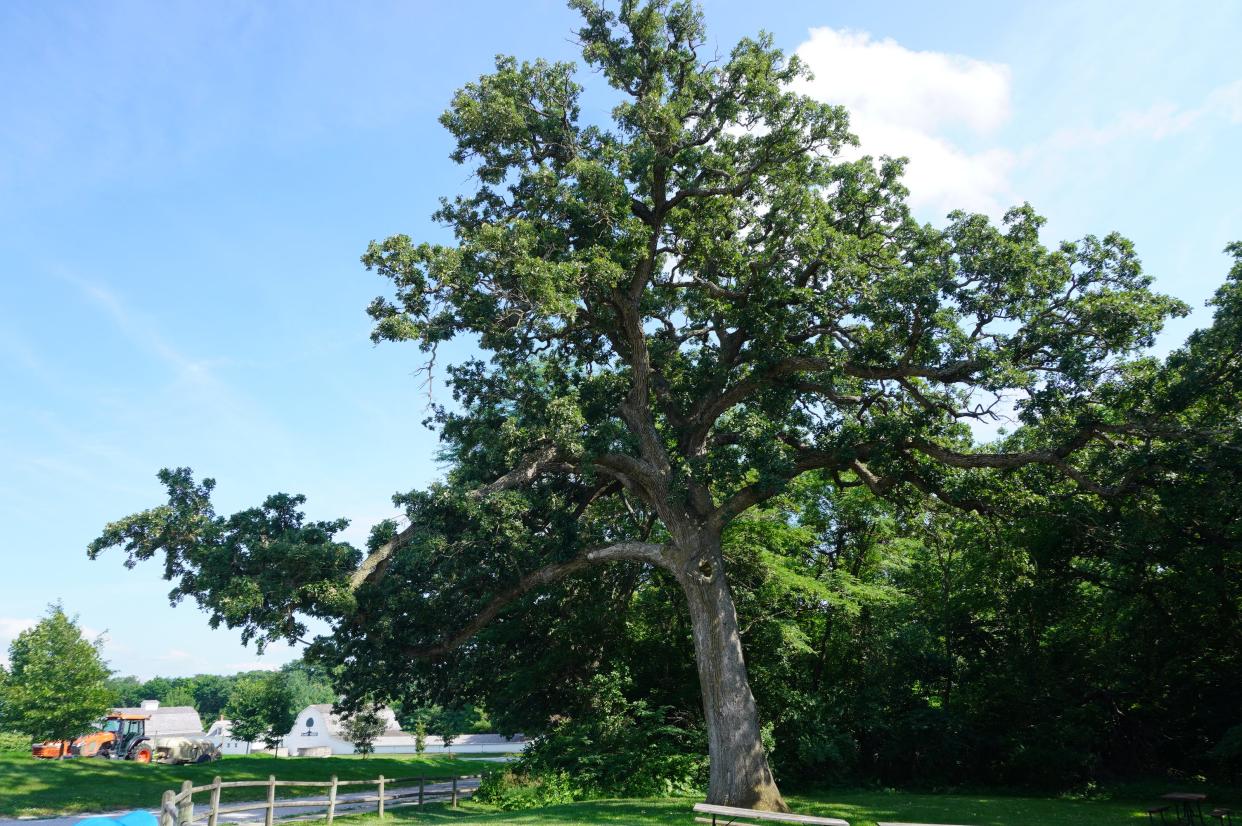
(11, 743)
(615, 746)
(510, 791)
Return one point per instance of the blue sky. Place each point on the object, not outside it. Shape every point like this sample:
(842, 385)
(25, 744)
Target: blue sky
(185, 189)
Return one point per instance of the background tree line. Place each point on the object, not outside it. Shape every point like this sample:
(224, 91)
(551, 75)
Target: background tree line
(210, 694)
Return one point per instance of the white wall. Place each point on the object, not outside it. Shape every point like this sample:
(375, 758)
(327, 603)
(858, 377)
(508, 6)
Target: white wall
(311, 733)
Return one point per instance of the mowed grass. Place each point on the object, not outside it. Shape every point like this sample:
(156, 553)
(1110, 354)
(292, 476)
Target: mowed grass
(30, 787)
(47, 787)
(860, 808)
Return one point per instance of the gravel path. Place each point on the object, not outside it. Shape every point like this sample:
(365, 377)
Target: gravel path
(346, 803)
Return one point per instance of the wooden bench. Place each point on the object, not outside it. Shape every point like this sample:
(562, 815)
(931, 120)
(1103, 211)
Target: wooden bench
(1156, 810)
(724, 815)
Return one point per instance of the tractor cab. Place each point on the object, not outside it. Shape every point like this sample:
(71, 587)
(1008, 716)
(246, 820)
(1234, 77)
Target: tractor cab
(129, 731)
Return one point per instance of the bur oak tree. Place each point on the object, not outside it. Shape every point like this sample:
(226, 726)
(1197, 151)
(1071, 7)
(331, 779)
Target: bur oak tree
(678, 312)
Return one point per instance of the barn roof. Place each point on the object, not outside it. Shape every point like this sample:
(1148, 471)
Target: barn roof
(336, 727)
(168, 719)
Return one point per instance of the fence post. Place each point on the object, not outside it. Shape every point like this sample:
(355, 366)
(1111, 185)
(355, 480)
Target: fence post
(271, 800)
(422, 781)
(215, 802)
(185, 812)
(381, 797)
(454, 791)
(166, 804)
(332, 800)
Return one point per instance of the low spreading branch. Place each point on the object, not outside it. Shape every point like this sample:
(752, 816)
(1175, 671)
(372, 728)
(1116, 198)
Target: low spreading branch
(648, 552)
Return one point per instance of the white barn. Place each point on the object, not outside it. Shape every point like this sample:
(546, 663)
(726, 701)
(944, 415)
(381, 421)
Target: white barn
(221, 733)
(317, 732)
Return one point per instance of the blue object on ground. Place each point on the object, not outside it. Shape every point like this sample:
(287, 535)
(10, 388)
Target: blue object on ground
(138, 818)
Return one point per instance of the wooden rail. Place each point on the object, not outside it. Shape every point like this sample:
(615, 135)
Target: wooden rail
(177, 808)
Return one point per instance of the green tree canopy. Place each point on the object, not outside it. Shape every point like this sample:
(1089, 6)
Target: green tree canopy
(247, 711)
(126, 692)
(57, 681)
(261, 708)
(362, 727)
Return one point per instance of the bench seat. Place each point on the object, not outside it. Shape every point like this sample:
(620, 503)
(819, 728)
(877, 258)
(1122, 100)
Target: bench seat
(723, 815)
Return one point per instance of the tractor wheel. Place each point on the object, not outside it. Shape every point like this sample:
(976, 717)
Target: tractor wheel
(142, 754)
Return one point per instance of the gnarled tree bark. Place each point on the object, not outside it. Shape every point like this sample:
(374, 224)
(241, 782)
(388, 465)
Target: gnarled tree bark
(740, 775)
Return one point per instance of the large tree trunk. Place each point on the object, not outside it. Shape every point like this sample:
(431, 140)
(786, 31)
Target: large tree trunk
(739, 768)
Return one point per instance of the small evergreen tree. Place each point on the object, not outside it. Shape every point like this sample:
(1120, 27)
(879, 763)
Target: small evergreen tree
(420, 736)
(56, 686)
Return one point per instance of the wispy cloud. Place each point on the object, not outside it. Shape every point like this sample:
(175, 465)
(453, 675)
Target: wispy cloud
(1157, 122)
(196, 388)
(142, 332)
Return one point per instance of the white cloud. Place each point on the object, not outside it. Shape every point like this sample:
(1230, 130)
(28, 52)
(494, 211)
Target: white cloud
(10, 627)
(1156, 122)
(175, 655)
(919, 104)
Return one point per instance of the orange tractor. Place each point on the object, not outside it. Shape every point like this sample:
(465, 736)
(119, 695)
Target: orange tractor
(123, 736)
(129, 729)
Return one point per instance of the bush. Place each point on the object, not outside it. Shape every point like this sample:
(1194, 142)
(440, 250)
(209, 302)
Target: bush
(511, 792)
(619, 747)
(11, 743)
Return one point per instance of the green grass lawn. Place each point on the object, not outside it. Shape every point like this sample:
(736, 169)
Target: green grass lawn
(860, 808)
(44, 787)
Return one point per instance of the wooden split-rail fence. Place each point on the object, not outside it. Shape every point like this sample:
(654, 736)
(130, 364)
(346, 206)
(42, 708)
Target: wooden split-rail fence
(179, 809)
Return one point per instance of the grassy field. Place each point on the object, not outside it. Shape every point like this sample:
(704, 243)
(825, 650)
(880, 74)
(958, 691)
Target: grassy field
(44, 787)
(860, 808)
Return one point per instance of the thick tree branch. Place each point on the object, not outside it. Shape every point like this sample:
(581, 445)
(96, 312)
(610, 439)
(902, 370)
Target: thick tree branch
(373, 566)
(1054, 457)
(634, 474)
(544, 459)
(649, 552)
